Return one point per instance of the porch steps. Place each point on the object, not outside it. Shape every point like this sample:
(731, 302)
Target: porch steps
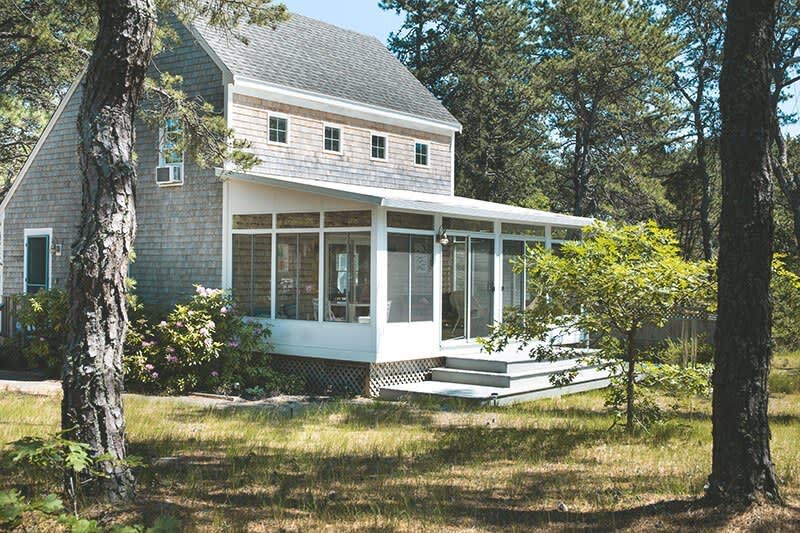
(479, 377)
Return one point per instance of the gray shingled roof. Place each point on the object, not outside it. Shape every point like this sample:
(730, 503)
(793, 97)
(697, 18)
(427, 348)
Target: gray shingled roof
(310, 55)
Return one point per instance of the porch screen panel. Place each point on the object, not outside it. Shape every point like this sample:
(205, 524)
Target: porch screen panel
(513, 282)
(252, 276)
(347, 277)
(410, 278)
(297, 274)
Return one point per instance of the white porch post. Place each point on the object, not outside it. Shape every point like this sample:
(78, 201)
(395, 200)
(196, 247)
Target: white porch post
(548, 236)
(379, 277)
(437, 280)
(498, 272)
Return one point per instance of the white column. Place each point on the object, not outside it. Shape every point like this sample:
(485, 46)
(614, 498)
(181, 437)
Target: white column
(437, 282)
(227, 238)
(379, 278)
(498, 272)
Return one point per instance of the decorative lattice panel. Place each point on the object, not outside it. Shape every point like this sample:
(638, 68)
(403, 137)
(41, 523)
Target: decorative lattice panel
(400, 372)
(324, 376)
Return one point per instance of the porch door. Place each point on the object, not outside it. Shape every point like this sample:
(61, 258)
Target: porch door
(467, 287)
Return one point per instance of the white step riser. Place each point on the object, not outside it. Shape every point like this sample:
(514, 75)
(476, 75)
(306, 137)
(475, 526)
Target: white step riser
(489, 379)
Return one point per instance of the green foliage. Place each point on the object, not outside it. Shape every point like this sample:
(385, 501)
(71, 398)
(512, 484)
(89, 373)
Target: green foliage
(13, 506)
(204, 344)
(43, 319)
(56, 457)
(617, 280)
(786, 305)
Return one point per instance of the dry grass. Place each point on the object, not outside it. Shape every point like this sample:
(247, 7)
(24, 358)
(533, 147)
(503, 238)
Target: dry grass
(384, 467)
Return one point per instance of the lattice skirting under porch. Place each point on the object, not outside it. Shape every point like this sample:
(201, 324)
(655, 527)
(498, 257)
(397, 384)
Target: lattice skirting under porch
(326, 376)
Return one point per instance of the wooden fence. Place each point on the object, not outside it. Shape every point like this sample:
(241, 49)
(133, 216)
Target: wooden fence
(8, 316)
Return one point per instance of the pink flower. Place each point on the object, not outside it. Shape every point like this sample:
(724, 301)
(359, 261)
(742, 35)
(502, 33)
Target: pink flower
(204, 332)
(148, 367)
(170, 349)
(155, 375)
(208, 342)
(172, 359)
(214, 373)
(233, 344)
(163, 323)
(210, 324)
(223, 310)
(179, 324)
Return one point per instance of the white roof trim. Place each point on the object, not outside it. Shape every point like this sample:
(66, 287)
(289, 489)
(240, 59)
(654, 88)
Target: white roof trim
(340, 106)
(444, 204)
(42, 139)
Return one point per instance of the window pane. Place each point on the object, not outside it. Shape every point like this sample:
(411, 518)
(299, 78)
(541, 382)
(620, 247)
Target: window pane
(523, 229)
(347, 277)
(421, 153)
(252, 221)
(565, 234)
(171, 139)
(252, 260)
(421, 278)
(278, 128)
(348, 219)
(397, 219)
(332, 139)
(398, 282)
(463, 224)
(38, 256)
(297, 266)
(298, 220)
(378, 147)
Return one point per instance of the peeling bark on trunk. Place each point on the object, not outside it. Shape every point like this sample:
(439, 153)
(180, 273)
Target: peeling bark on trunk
(97, 319)
(742, 468)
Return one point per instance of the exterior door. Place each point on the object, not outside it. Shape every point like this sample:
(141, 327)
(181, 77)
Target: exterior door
(467, 287)
(37, 263)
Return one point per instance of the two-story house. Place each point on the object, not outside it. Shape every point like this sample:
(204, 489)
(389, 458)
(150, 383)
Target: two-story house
(346, 237)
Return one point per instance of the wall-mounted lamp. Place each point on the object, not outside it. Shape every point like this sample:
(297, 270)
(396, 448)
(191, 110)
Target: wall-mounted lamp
(55, 249)
(442, 238)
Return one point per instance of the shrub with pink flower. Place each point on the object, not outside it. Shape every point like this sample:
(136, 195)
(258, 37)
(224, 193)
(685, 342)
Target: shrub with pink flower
(206, 345)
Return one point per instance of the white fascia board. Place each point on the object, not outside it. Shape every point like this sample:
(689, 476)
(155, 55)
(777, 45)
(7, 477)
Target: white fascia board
(339, 106)
(42, 139)
(282, 183)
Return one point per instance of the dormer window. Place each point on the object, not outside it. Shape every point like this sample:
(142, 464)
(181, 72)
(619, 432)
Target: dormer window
(378, 146)
(421, 154)
(170, 153)
(332, 139)
(278, 129)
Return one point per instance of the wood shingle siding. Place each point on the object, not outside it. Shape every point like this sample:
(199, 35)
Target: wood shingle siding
(303, 156)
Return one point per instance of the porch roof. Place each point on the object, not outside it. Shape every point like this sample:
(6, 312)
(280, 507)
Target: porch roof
(456, 206)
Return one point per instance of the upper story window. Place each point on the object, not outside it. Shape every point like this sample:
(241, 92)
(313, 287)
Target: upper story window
(332, 139)
(378, 146)
(421, 154)
(170, 153)
(278, 129)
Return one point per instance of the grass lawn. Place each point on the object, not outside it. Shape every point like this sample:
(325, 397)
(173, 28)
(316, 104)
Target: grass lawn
(363, 465)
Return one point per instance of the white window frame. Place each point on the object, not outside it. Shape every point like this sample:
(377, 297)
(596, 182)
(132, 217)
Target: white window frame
(288, 120)
(37, 232)
(385, 146)
(326, 125)
(427, 154)
(162, 163)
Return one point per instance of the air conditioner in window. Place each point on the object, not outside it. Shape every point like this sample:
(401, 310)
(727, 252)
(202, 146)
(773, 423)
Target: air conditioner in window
(169, 175)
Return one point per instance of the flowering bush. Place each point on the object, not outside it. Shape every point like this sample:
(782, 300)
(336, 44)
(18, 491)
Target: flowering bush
(204, 344)
(43, 317)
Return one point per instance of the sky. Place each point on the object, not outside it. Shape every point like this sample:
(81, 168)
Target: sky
(366, 17)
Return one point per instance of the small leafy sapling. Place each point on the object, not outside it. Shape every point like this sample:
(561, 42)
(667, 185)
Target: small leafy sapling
(613, 283)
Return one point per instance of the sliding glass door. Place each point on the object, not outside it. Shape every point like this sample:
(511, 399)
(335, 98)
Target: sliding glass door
(467, 287)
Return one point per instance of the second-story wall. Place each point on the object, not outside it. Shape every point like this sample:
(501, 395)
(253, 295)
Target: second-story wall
(303, 156)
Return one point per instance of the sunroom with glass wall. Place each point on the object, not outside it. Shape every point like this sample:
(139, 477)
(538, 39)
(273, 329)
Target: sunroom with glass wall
(370, 275)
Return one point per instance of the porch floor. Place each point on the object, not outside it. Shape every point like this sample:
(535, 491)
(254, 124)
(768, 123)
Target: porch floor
(504, 378)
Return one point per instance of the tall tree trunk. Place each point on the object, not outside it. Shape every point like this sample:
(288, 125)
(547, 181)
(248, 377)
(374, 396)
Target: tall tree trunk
(742, 467)
(97, 319)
